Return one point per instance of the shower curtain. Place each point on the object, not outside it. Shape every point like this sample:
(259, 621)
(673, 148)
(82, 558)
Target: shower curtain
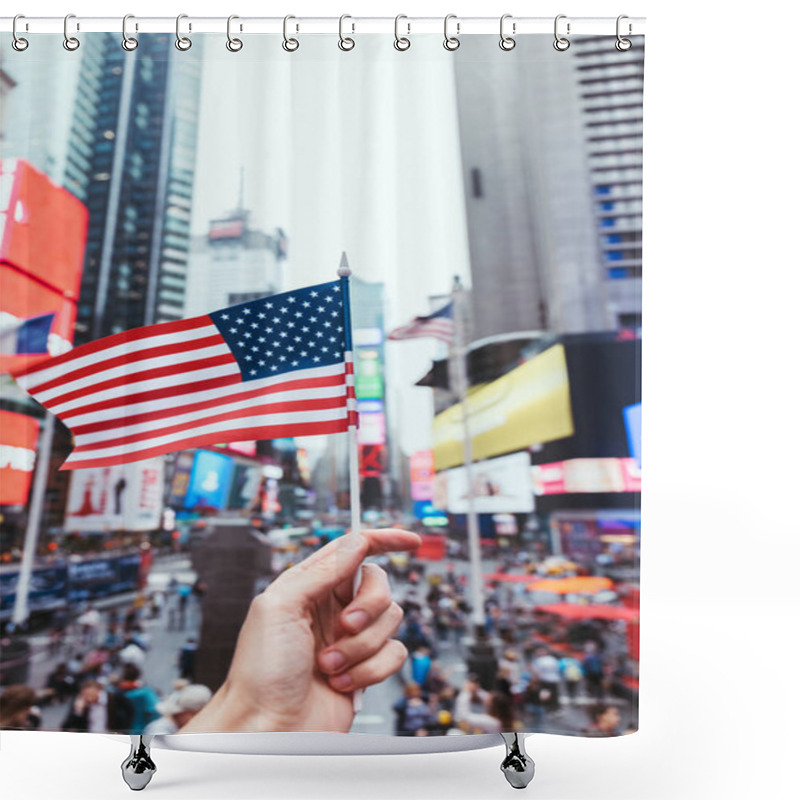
(482, 208)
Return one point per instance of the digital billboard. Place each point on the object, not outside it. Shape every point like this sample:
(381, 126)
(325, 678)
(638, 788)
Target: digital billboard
(498, 485)
(210, 480)
(42, 240)
(19, 434)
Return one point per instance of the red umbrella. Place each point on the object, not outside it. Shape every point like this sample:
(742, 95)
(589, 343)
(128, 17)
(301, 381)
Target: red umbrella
(570, 611)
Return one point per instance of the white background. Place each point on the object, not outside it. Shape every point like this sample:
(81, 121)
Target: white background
(719, 708)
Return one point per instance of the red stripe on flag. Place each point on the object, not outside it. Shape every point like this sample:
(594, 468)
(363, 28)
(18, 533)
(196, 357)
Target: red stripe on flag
(172, 411)
(243, 434)
(125, 380)
(131, 358)
(125, 337)
(318, 404)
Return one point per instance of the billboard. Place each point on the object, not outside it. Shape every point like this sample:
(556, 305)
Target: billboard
(19, 434)
(421, 467)
(42, 240)
(633, 427)
(529, 405)
(587, 475)
(371, 422)
(121, 497)
(499, 485)
(245, 484)
(210, 481)
(368, 374)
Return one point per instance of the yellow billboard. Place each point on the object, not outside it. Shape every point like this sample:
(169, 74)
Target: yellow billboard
(530, 405)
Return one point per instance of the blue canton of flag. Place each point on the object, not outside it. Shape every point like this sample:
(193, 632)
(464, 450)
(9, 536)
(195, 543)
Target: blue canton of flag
(295, 330)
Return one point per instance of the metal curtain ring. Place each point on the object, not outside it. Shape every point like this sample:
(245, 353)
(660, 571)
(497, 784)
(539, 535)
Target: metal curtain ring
(19, 44)
(70, 42)
(623, 44)
(345, 42)
(234, 45)
(561, 43)
(289, 45)
(182, 42)
(507, 42)
(129, 43)
(401, 42)
(451, 42)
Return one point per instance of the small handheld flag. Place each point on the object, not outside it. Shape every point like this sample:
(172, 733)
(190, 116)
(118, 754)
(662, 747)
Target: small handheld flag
(438, 325)
(271, 368)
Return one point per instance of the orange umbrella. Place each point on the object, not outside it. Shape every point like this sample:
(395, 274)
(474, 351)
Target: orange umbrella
(572, 611)
(579, 585)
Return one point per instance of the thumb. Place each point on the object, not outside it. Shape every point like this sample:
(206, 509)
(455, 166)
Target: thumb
(320, 573)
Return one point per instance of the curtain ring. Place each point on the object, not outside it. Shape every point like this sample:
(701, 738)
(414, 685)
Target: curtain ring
(70, 42)
(345, 42)
(234, 45)
(451, 42)
(19, 44)
(129, 43)
(289, 45)
(401, 42)
(623, 44)
(561, 43)
(182, 42)
(507, 42)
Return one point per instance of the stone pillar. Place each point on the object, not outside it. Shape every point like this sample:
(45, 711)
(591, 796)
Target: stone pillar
(229, 560)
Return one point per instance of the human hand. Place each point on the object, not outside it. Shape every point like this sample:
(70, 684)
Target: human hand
(284, 675)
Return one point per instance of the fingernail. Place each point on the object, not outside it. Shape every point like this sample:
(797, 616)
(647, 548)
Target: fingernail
(356, 620)
(341, 682)
(332, 661)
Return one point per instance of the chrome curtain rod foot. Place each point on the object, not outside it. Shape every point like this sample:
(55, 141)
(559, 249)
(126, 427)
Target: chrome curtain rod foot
(138, 768)
(517, 766)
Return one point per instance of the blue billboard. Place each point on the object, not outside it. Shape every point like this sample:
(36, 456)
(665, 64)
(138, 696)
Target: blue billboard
(210, 481)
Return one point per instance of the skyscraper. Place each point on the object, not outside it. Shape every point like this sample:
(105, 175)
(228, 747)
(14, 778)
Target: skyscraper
(552, 177)
(142, 164)
(233, 263)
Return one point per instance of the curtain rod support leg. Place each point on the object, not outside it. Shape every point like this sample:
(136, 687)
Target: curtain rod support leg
(517, 766)
(138, 768)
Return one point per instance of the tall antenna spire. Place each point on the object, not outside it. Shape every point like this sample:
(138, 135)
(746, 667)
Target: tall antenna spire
(344, 267)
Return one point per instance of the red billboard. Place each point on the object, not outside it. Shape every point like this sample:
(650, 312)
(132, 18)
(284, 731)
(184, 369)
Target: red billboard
(42, 241)
(18, 437)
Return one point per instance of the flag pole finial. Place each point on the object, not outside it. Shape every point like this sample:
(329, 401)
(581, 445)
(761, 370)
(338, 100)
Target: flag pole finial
(344, 267)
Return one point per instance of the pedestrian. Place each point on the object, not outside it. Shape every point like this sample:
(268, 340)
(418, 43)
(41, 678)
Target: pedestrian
(420, 665)
(535, 699)
(594, 671)
(604, 720)
(180, 707)
(61, 683)
(143, 699)
(184, 592)
(186, 659)
(412, 712)
(90, 624)
(572, 673)
(545, 665)
(17, 707)
(88, 711)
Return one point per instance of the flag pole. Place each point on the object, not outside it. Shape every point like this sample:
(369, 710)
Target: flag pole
(344, 273)
(459, 352)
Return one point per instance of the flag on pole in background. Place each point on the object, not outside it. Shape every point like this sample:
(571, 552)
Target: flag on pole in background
(24, 336)
(438, 325)
(276, 367)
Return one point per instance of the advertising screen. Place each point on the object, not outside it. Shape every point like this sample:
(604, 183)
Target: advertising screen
(123, 497)
(19, 434)
(498, 485)
(42, 239)
(210, 480)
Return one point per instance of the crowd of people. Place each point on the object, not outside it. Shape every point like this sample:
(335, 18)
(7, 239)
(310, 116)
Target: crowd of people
(99, 674)
(542, 667)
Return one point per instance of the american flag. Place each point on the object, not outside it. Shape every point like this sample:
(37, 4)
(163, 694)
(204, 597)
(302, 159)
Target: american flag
(271, 368)
(438, 325)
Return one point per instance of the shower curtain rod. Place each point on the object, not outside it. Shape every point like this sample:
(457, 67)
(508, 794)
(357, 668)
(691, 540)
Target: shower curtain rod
(408, 25)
